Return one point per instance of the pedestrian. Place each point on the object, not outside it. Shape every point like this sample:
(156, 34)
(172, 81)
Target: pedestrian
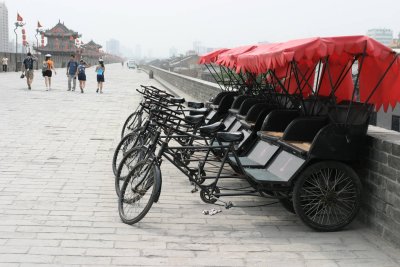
(72, 68)
(82, 74)
(4, 62)
(100, 75)
(47, 68)
(28, 68)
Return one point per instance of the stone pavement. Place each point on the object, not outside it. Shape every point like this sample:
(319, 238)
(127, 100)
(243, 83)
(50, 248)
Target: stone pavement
(58, 206)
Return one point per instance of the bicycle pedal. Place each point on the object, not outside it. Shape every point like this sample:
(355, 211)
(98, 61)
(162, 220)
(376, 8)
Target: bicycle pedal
(228, 205)
(194, 190)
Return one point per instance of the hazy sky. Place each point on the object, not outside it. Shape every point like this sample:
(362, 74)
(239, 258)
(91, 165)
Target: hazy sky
(157, 25)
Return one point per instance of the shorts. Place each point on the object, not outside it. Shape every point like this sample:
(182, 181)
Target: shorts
(81, 76)
(47, 73)
(100, 78)
(29, 74)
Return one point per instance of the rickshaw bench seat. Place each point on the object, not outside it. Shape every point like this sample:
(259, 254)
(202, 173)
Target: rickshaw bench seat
(230, 137)
(196, 105)
(199, 111)
(299, 147)
(212, 128)
(269, 135)
(213, 106)
(248, 124)
(233, 111)
(241, 117)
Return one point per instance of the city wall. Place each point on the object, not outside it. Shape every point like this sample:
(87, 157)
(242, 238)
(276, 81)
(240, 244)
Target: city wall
(59, 61)
(379, 170)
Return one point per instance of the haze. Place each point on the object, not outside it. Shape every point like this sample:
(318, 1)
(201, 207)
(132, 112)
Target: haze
(158, 25)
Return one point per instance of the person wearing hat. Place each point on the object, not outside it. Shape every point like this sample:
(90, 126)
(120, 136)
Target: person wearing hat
(47, 68)
(100, 75)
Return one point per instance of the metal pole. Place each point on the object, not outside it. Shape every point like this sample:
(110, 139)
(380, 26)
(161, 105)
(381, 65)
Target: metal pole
(37, 47)
(16, 46)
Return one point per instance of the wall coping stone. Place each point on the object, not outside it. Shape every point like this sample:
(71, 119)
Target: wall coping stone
(211, 84)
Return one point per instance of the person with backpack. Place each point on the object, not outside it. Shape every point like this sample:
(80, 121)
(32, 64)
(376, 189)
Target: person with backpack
(48, 66)
(100, 75)
(28, 69)
(72, 68)
(82, 74)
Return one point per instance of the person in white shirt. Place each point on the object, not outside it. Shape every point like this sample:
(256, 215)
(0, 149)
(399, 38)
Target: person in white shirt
(4, 62)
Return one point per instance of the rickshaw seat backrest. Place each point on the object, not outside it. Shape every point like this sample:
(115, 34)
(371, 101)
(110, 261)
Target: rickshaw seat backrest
(354, 114)
(247, 104)
(238, 101)
(225, 103)
(277, 120)
(218, 98)
(314, 106)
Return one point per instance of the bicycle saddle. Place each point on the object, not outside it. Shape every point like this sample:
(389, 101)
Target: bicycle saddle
(177, 100)
(198, 111)
(212, 128)
(230, 137)
(194, 119)
(195, 104)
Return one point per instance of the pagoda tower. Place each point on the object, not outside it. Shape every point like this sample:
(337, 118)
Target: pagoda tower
(60, 43)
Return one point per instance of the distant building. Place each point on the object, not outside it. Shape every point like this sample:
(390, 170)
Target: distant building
(60, 41)
(384, 36)
(191, 53)
(113, 47)
(91, 51)
(4, 47)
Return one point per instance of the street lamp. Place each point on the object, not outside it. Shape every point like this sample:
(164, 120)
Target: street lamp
(17, 24)
(37, 44)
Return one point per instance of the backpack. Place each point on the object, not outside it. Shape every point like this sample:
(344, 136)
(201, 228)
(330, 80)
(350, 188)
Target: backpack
(28, 62)
(45, 66)
(81, 69)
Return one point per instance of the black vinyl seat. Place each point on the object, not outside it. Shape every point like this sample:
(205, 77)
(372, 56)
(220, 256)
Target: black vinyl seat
(230, 137)
(198, 111)
(195, 105)
(212, 128)
(177, 100)
(194, 119)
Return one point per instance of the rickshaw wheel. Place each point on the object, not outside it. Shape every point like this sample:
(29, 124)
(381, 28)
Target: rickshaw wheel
(208, 197)
(327, 195)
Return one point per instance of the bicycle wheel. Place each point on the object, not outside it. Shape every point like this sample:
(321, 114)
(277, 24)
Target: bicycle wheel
(132, 122)
(132, 157)
(122, 148)
(327, 195)
(139, 191)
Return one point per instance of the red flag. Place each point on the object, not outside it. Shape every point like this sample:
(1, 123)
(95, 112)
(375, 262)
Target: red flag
(39, 25)
(19, 18)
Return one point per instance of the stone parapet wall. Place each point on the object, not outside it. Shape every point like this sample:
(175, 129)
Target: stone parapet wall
(198, 89)
(380, 174)
(379, 169)
(59, 61)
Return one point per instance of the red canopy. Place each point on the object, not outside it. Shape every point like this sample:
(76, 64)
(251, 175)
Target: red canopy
(229, 57)
(211, 57)
(340, 51)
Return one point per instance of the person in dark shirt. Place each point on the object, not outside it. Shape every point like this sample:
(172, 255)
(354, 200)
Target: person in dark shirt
(28, 69)
(72, 70)
(82, 74)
